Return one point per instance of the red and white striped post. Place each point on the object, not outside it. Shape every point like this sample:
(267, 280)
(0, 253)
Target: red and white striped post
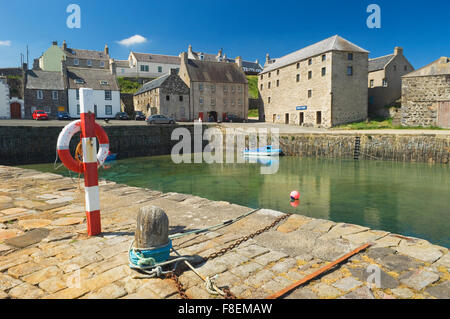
(89, 142)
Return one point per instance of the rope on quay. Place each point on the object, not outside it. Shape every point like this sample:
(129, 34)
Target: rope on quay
(210, 228)
(317, 273)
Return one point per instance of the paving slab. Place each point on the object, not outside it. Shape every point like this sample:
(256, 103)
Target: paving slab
(419, 279)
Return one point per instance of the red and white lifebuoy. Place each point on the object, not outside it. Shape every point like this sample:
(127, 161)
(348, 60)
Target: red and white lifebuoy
(64, 142)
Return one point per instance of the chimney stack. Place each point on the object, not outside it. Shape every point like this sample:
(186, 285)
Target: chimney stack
(55, 42)
(190, 50)
(112, 66)
(174, 71)
(398, 51)
(64, 45)
(106, 49)
(184, 57)
(267, 58)
(239, 61)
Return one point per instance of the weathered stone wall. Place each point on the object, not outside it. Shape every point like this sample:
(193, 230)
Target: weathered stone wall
(420, 98)
(33, 145)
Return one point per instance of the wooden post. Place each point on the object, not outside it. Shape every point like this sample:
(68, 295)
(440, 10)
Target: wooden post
(152, 229)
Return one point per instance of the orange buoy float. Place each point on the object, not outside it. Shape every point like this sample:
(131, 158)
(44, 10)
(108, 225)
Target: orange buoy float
(295, 195)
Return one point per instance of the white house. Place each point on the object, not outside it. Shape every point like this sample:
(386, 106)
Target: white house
(4, 98)
(146, 65)
(105, 86)
(9, 107)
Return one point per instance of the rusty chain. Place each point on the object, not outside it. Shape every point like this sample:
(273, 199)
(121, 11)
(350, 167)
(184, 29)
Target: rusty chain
(223, 251)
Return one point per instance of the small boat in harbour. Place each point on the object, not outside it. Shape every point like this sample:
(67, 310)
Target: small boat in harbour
(263, 151)
(111, 157)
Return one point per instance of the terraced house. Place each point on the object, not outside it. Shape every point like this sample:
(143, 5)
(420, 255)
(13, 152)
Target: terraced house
(146, 65)
(167, 95)
(321, 85)
(217, 89)
(385, 81)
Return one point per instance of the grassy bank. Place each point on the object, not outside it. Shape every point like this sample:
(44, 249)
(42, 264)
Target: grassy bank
(252, 86)
(375, 124)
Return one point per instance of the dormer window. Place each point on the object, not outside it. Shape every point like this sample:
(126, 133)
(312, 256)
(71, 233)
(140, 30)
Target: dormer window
(104, 82)
(201, 57)
(79, 81)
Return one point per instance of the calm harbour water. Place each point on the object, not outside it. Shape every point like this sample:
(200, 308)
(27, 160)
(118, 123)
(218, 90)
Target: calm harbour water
(411, 199)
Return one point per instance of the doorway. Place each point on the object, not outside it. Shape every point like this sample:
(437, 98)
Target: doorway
(15, 111)
(286, 118)
(212, 116)
(301, 118)
(444, 114)
(319, 118)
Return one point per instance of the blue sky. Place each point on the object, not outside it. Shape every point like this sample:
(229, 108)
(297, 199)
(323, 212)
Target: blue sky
(241, 27)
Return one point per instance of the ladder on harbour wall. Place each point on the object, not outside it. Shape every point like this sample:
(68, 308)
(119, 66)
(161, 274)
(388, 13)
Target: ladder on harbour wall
(357, 150)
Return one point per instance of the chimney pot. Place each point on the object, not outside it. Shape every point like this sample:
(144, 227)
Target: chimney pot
(398, 51)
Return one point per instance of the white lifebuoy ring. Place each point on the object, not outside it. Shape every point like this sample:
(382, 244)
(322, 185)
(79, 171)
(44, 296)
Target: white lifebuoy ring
(64, 142)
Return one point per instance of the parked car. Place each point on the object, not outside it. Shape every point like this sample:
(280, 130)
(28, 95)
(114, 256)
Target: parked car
(139, 116)
(160, 119)
(122, 116)
(40, 115)
(63, 116)
(233, 118)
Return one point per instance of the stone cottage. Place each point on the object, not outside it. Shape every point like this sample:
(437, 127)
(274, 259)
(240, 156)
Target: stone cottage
(426, 95)
(385, 81)
(321, 85)
(46, 91)
(146, 65)
(217, 89)
(167, 95)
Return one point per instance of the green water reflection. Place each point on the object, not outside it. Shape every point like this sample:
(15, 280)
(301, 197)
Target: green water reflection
(411, 199)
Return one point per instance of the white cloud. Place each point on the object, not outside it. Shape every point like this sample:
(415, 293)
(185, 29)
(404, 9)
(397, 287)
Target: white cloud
(5, 43)
(135, 39)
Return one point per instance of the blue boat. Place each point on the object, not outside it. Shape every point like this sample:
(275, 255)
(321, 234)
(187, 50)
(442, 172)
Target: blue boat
(111, 158)
(263, 151)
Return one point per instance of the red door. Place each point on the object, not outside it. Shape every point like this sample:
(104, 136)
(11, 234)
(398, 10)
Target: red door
(15, 111)
(224, 116)
(200, 116)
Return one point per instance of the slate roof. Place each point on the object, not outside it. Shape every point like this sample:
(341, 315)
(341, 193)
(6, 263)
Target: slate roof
(86, 54)
(438, 67)
(247, 64)
(91, 78)
(216, 72)
(157, 58)
(154, 84)
(45, 80)
(334, 43)
(379, 63)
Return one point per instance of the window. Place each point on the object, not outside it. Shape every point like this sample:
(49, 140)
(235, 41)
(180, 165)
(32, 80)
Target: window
(47, 109)
(55, 95)
(268, 99)
(40, 95)
(278, 72)
(89, 63)
(298, 77)
(262, 86)
(201, 57)
(278, 83)
(225, 102)
(181, 98)
(233, 89)
(108, 95)
(225, 89)
(182, 112)
(309, 93)
(309, 75)
(319, 117)
(371, 83)
(385, 83)
(349, 70)
(102, 65)
(324, 57)
(159, 69)
(395, 68)
(201, 101)
(213, 101)
(268, 85)
(269, 74)
(324, 71)
(200, 87)
(309, 61)
(144, 68)
(78, 109)
(240, 102)
(298, 65)
(213, 88)
(350, 56)
(77, 94)
(167, 97)
(79, 81)
(405, 68)
(262, 76)
(232, 103)
(103, 82)
(108, 109)
(239, 88)
(76, 62)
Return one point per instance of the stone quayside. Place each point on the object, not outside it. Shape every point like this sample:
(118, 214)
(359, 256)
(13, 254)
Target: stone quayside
(44, 248)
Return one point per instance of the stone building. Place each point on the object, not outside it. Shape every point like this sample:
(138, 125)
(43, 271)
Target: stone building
(167, 95)
(385, 81)
(217, 89)
(4, 98)
(46, 91)
(105, 86)
(146, 65)
(426, 95)
(249, 68)
(52, 59)
(321, 85)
